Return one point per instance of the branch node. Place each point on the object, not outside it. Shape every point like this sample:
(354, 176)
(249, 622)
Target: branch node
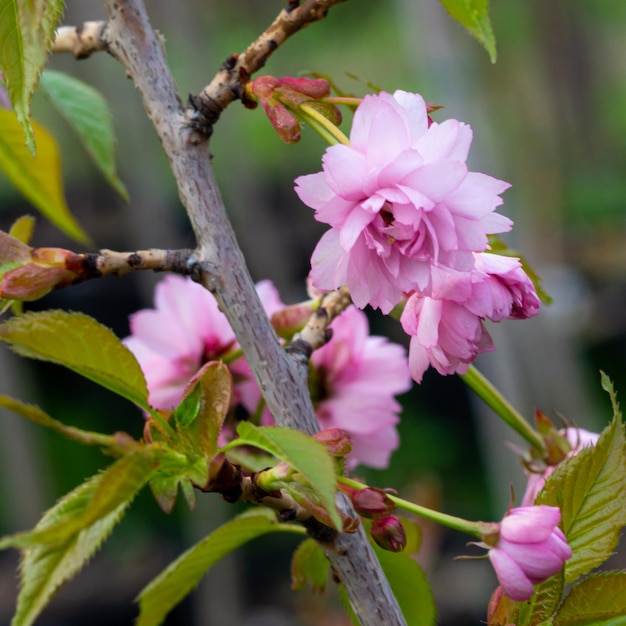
(300, 350)
(194, 268)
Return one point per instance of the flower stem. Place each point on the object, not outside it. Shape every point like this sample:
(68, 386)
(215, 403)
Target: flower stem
(456, 523)
(500, 405)
(354, 102)
(322, 125)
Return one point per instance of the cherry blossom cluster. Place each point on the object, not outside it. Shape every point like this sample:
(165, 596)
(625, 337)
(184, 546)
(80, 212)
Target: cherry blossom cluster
(354, 377)
(409, 226)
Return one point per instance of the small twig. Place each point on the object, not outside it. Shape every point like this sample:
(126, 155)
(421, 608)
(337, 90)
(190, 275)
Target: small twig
(107, 262)
(81, 41)
(227, 85)
(316, 332)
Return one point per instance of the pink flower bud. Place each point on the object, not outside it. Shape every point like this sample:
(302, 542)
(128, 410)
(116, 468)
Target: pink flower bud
(388, 533)
(336, 440)
(372, 502)
(281, 98)
(530, 549)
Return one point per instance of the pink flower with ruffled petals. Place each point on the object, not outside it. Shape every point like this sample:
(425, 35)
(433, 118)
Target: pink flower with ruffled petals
(354, 379)
(399, 199)
(578, 439)
(185, 330)
(530, 548)
(503, 289)
(447, 329)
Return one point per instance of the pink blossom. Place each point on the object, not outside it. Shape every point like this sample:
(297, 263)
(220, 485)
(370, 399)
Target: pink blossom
(578, 439)
(447, 329)
(354, 376)
(399, 200)
(185, 330)
(530, 549)
(354, 379)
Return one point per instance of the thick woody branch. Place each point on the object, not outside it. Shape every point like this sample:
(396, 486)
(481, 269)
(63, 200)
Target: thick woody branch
(134, 43)
(81, 40)
(227, 85)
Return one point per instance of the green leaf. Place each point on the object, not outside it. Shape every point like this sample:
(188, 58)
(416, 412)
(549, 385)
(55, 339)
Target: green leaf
(22, 228)
(309, 565)
(409, 585)
(35, 414)
(81, 344)
(541, 607)
(200, 415)
(38, 178)
(183, 575)
(599, 599)
(115, 487)
(303, 453)
(27, 30)
(44, 568)
(474, 15)
(88, 114)
(187, 411)
(590, 489)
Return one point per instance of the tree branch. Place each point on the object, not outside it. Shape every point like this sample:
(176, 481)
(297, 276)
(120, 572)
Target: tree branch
(81, 40)
(134, 43)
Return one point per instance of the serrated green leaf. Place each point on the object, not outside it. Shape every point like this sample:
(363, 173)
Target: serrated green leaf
(409, 585)
(541, 607)
(116, 486)
(43, 568)
(81, 344)
(599, 599)
(184, 574)
(35, 414)
(38, 178)
(27, 30)
(303, 453)
(590, 490)
(309, 566)
(88, 114)
(474, 15)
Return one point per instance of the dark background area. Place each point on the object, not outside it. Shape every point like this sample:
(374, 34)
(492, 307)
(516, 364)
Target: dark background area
(549, 116)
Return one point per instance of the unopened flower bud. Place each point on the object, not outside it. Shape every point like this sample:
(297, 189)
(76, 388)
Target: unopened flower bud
(530, 548)
(372, 502)
(282, 97)
(336, 440)
(388, 533)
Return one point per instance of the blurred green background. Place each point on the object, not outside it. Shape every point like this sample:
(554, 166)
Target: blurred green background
(549, 117)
